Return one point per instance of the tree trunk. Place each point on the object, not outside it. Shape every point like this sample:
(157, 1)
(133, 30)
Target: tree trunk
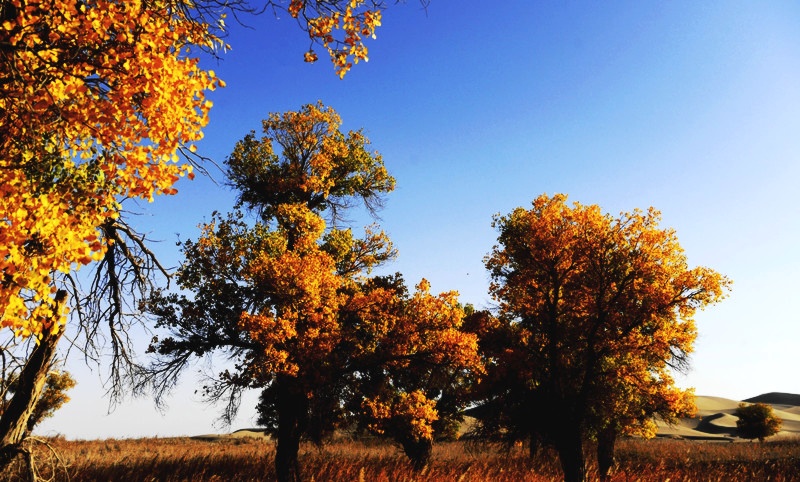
(14, 421)
(418, 452)
(291, 412)
(606, 440)
(570, 454)
(534, 445)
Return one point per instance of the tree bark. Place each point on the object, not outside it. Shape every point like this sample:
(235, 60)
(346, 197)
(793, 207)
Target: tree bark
(606, 441)
(14, 421)
(291, 412)
(570, 454)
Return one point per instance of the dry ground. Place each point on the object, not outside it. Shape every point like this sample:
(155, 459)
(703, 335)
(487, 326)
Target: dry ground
(250, 459)
(696, 449)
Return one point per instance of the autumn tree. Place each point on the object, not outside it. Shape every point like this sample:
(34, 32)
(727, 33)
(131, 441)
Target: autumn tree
(269, 295)
(100, 102)
(415, 363)
(268, 309)
(95, 103)
(757, 421)
(595, 312)
(288, 300)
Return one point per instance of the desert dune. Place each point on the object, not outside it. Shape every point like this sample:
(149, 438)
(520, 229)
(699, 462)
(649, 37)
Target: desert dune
(715, 419)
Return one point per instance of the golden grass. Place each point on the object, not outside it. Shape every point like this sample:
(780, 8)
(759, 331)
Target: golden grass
(183, 459)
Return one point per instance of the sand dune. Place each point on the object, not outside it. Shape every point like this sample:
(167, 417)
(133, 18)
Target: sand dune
(718, 424)
(710, 405)
(715, 419)
(776, 398)
(793, 410)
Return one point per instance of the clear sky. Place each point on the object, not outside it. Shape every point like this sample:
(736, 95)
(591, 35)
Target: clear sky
(478, 107)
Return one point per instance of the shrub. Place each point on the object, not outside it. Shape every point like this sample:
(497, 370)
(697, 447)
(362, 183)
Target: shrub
(757, 421)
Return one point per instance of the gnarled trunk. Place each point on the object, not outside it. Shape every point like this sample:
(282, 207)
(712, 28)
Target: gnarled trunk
(292, 411)
(14, 421)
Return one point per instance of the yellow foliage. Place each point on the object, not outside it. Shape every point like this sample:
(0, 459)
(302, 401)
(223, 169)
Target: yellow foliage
(411, 414)
(301, 326)
(427, 354)
(97, 98)
(601, 308)
(304, 158)
(341, 30)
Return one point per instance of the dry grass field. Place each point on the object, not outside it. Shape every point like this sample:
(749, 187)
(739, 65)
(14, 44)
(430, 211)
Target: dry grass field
(250, 459)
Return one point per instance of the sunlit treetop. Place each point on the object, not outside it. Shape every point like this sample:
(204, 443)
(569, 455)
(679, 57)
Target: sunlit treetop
(98, 100)
(303, 158)
(340, 26)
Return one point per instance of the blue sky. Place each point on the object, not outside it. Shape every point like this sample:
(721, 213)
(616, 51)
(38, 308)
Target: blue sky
(479, 107)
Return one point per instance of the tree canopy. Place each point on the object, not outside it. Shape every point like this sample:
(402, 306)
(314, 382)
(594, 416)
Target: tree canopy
(102, 101)
(757, 421)
(594, 312)
(289, 299)
(96, 100)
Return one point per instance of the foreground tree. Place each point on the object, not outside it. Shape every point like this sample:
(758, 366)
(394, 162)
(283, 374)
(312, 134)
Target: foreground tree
(269, 295)
(97, 101)
(287, 299)
(595, 311)
(757, 421)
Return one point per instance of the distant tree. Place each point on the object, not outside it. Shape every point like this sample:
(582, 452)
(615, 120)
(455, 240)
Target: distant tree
(52, 398)
(593, 313)
(757, 421)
